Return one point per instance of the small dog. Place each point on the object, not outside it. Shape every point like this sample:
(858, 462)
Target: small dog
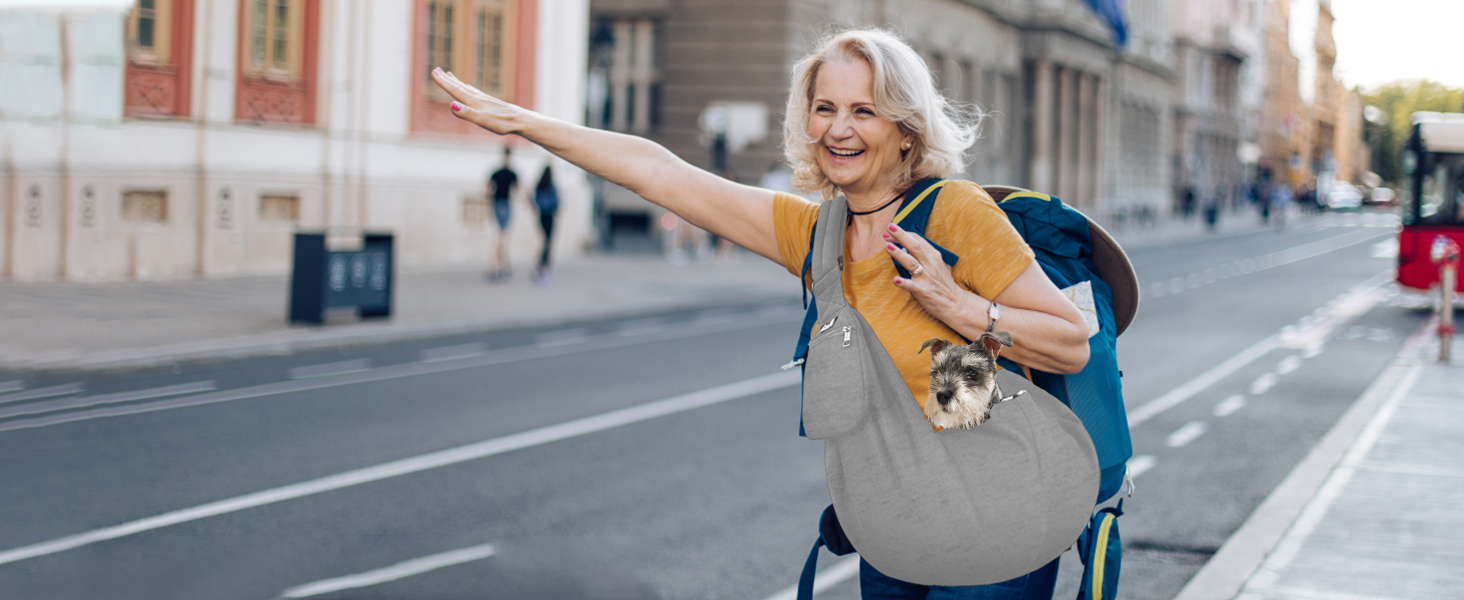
(963, 380)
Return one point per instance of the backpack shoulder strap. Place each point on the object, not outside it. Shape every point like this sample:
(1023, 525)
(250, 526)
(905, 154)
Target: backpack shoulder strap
(914, 215)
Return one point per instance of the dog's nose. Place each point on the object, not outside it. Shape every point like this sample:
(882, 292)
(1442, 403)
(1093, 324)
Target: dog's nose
(943, 397)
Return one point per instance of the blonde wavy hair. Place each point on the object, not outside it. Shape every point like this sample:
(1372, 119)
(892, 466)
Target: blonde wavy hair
(904, 92)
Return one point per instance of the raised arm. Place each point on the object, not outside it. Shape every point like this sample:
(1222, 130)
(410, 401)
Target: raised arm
(741, 213)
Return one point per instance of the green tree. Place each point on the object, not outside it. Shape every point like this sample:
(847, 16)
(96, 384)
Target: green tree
(1398, 101)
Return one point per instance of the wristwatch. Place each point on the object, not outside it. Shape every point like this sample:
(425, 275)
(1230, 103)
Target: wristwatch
(992, 314)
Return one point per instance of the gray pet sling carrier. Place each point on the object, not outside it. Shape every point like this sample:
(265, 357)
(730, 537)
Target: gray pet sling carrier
(956, 507)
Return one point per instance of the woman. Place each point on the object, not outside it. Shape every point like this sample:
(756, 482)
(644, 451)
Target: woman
(863, 120)
(546, 199)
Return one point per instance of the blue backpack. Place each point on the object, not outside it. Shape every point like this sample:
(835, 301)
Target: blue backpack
(1062, 241)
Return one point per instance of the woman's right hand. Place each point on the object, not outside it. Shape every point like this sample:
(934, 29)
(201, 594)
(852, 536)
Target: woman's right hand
(476, 107)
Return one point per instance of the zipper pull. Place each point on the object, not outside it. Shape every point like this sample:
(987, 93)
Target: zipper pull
(830, 324)
(848, 331)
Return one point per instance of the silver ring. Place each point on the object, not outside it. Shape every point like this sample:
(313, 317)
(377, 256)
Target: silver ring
(919, 270)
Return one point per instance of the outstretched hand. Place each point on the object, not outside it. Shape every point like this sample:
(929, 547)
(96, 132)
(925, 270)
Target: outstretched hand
(476, 107)
(931, 282)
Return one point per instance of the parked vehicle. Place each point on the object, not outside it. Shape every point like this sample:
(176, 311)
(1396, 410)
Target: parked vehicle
(1381, 196)
(1343, 196)
(1432, 199)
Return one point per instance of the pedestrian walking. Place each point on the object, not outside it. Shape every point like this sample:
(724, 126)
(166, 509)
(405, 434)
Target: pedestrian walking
(501, 185)
(865, 122)
(546, 199)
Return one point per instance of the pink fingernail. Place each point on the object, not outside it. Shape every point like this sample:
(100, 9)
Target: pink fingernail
(890, 247)
(456, 107)
(894, 227)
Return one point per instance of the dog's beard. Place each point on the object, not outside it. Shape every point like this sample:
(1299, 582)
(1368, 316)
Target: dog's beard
(968, 407)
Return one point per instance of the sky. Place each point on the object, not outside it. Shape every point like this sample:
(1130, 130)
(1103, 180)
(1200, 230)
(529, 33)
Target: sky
(1379, 41)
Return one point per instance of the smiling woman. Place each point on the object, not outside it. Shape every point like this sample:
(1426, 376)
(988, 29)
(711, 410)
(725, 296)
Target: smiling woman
(865, 126)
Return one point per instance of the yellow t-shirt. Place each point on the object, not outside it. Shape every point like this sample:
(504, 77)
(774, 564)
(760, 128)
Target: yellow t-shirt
(965, 220)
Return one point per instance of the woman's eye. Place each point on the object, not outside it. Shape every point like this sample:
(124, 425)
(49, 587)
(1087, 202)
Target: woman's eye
(823, 110)
(866, 111)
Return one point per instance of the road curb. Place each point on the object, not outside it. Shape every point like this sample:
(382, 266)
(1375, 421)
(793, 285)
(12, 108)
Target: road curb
(1241, 557)
(299, 339)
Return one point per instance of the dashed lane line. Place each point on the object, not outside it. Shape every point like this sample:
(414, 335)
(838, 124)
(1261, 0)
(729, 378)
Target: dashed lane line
(1186, 434)
(1229, 405)
(453, 352)
(336, 368)
(1262, 384)
(1138, 465)
(37, 408)
(46, 392)
(397, 571)
(423, 462)
(1288, 364)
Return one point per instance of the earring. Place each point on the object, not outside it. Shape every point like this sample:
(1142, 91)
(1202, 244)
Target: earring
(907, 146)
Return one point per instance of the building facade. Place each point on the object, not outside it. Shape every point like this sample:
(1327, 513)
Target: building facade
(1213, 43)
(192, 138)
(1066, 111)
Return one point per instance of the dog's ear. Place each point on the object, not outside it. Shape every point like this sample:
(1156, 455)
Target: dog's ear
(935, 345)
(994, 341)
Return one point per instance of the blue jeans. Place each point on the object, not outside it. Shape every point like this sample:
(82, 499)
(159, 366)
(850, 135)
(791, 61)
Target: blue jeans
(1037, 585)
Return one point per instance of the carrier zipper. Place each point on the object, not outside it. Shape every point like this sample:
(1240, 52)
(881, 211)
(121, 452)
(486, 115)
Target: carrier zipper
(830, 324)
(848, 331)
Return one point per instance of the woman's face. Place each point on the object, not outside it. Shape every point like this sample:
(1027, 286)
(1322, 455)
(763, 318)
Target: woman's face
(857, 150)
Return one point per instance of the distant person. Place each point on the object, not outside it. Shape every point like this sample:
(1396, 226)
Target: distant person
(546, 199)
(501, 185)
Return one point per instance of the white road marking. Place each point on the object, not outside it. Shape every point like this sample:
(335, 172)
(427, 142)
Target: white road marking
(1194, 386)
(1288, 364)
(11, 386)
(640, 327)
(1356, 301)
(335, 368)
(46, 392)
(1229, 405)
(1385, 249)
(423, 462)
(1185, 434)
(495, 357)
(565, 337)
(397, 571)
(1262, 384)
(1156, 289)
(825, 579)
(55, 405)
(1176, 285)
(714, 317)
(1139, 464)
(453, 352)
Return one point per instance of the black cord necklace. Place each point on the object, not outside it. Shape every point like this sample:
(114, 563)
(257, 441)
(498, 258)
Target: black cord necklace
(856, 213)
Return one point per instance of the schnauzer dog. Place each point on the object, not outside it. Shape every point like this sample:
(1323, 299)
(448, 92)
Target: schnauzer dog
(963, 380)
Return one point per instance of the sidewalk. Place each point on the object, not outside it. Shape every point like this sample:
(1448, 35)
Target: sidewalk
(133, 324)
(1373, 511)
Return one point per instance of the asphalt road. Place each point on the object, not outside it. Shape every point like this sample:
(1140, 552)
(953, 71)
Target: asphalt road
(654, 457)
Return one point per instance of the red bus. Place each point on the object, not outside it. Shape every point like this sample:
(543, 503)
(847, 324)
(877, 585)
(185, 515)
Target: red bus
(1432, 202)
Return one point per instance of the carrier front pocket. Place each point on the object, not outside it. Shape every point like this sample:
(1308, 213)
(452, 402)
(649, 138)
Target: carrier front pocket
(835, 394)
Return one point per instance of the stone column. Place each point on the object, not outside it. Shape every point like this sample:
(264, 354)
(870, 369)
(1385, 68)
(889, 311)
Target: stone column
(1067, 144)
(1100, 138)
(1086, 138)
(1040, 167)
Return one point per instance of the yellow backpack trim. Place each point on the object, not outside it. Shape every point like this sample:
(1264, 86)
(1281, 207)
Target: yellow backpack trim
(918, 199)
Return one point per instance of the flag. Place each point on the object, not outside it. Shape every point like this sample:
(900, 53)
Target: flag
(1112, 11)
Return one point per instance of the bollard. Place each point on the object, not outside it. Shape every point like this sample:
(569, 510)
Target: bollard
(1445, 253)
